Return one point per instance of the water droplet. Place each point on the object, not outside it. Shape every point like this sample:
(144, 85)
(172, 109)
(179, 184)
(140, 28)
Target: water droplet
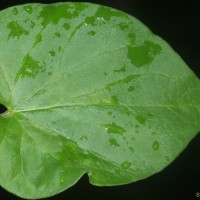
(128, 113)
(113, 142)
(125, 80)
(28, 9)
(66, 26)
(149, 115)
(52, 53)
(63, 177)
(90, 21)
(123, 25)
(32, 24)
(57, 34)
(38, 39)
(91, 33)
(126, 165)
(132, 149)
(141, 119)
(15, 11)
(132, 38)
(61, 180)
(114, 100)
(109, 113)
(130, 89)
(16, 30)
(30, 68)
(59, 13)
(144, 54)
(114, 128)
(99, 19)
(130, 78)
(156, 145)
(105, 74)
(84, 138)
(121, 70)
(102, 14)
(59, 49)
(136, 126)
(167, 158)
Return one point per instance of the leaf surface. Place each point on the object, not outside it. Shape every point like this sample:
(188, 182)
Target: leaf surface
(89, 89)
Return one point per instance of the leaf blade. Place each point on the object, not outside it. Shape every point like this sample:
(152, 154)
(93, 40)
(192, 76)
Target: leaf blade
(111, 88)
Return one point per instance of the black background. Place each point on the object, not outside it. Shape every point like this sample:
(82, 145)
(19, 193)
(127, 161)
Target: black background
(178, 22)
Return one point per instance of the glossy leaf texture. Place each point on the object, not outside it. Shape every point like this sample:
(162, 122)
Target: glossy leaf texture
(89, 89)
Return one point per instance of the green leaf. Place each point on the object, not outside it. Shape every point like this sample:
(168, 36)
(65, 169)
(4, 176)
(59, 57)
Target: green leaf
(88, 89)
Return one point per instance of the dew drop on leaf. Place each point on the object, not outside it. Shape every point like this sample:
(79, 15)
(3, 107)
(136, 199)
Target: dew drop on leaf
(121, 70)
(30, 68)
(59, 13)
(141, 119)
(57, 34)
(126, 165)
(136, 126)
(28, 9)
(156, 145)
(130, 89)
(143, 54)
(16, 30)
(38, 39)
(63, 177)
(114, 100)
(61, 180)
(167, 158)
(52, 53)
(109, 113)
(32, 24)
(128, 79)
(123, 26)
(83, 138)
(66, 26)
(132, 149)
(91, 33)
(113, 142)
(114, 128)
(15, 11)
(128, 113)
(59, 49)
(132, 38)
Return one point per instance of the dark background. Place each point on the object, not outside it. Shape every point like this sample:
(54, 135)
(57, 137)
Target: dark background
(177, 22)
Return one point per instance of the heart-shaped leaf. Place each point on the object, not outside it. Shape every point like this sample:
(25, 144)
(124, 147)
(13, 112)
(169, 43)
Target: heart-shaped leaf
(88, 89)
